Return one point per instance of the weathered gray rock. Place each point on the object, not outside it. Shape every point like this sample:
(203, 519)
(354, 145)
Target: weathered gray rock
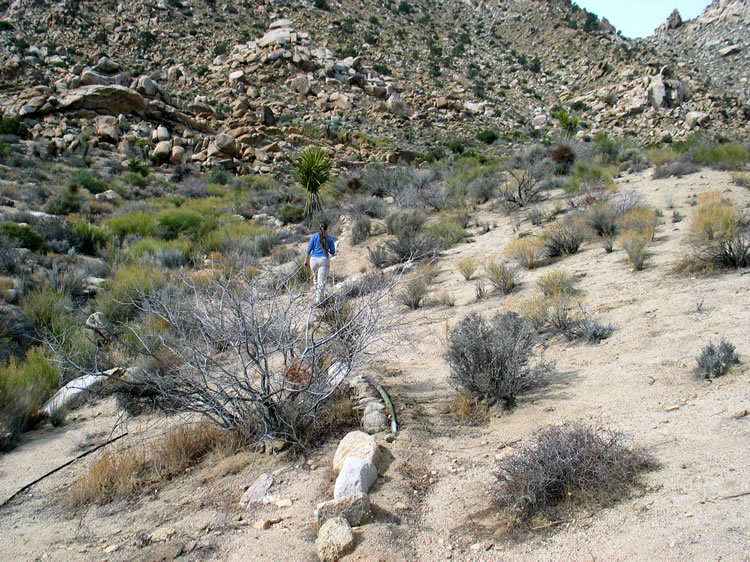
(110, 196)
(177, 156)
(266, 116)
(730, 50)
(334, 540)
(355, 509)
(108, 129)
(301, 84)
(696, 118)
(109, 99)
(258, 490)
(162, 151)
(356, 444)
(374, 421)
(226, 144)
(666, 90)
(397, 106)
(356, 477)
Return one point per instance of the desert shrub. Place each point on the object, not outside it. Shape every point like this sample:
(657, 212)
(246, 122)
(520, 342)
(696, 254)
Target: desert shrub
(312, 170)
(447, 231)
(493, 358)
(361, 229)
(166, 253)
(564, 157)
(634, 243)
(502, 277)
(714, 361)
(467, 267)
(142, 223)
(409, 219)
(456, 146)
(603, 217)
(65, 202)
(527, 171)
(12, 126)
(643, 220)
(677, 169)
(483, 188)
(723, 156)
(289, 213)
(283, 255)
(179, 222)
(528, 251)
(24, 387)
(565, 236)
(86, 180)
(566, 467)
(263, 244)
(567, 317)
(369, 206)
(413, 293)
(379, 256)
(124, 292)
(587, 177)
(9, 258)
(234, 236)
(488, 136)
(741, 179)
(88, 238)
(714, 219)
(557, 282)
(22, 235)
(409, 244)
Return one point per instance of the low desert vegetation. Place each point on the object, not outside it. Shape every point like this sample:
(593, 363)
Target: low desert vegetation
(716, 360)
(495, 358)
(467, 267)
(567, 469)
(528, 251)
(502, 276)
(123, 471)
(719, 234)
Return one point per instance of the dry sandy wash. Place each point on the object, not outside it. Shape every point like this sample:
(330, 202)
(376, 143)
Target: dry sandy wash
(434, 497)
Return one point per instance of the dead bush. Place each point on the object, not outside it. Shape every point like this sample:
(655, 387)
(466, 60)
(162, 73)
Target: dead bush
(566, 467)
(493, 358)
(503, 277)
(470, 408)
(528, 251)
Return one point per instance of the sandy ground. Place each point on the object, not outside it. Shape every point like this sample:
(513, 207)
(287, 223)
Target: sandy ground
(434, 497)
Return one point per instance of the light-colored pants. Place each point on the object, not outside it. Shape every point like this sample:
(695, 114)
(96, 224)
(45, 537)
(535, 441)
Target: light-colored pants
(319, 268)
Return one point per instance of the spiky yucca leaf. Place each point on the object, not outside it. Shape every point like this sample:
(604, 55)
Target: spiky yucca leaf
(312, 171)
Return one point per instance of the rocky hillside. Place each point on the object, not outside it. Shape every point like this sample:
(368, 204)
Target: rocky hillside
(714, 44)
(246, 84)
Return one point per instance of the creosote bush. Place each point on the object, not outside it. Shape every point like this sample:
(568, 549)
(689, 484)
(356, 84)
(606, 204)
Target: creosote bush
(566, 467)
(714, 361)
(493, 358)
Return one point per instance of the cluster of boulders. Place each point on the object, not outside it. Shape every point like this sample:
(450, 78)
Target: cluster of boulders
(354, 466)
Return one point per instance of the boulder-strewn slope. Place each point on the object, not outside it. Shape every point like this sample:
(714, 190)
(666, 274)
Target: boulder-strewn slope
(246, 84)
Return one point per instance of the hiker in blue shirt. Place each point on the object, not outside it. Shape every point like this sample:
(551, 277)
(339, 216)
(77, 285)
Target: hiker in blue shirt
(319, 249)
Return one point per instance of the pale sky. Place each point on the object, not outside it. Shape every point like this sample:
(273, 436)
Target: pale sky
(639, 18)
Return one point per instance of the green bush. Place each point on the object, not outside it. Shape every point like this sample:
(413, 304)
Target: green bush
(86, 180)
(89, 238)
(5, 151)
(447, 231)
(168, 254)
(411, 219)
(587, 177)
(142, 223)
(65, 202)
(488, 136)
(289, 213)
(22, 235)
(456, 147)
(361, 229)
(180, 222)
(23, 389)
(137, 167)
(724, 156)
(13, 127)
(126, 290)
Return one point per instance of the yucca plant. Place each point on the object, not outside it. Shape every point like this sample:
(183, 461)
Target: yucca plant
(312, 171)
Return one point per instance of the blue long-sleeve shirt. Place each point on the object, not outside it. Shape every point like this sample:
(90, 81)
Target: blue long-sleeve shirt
(315, 249)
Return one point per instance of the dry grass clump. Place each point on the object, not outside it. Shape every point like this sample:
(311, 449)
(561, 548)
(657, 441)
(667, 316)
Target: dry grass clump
(503, 277)
(565, 236)
(470, 408)
(467, 267)
(566, 468)
(719, 235)
(528, 251)
(557, 282)
(634, 243)
(123, 471)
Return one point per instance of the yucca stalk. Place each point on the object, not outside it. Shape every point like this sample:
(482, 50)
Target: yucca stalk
(312, 171)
